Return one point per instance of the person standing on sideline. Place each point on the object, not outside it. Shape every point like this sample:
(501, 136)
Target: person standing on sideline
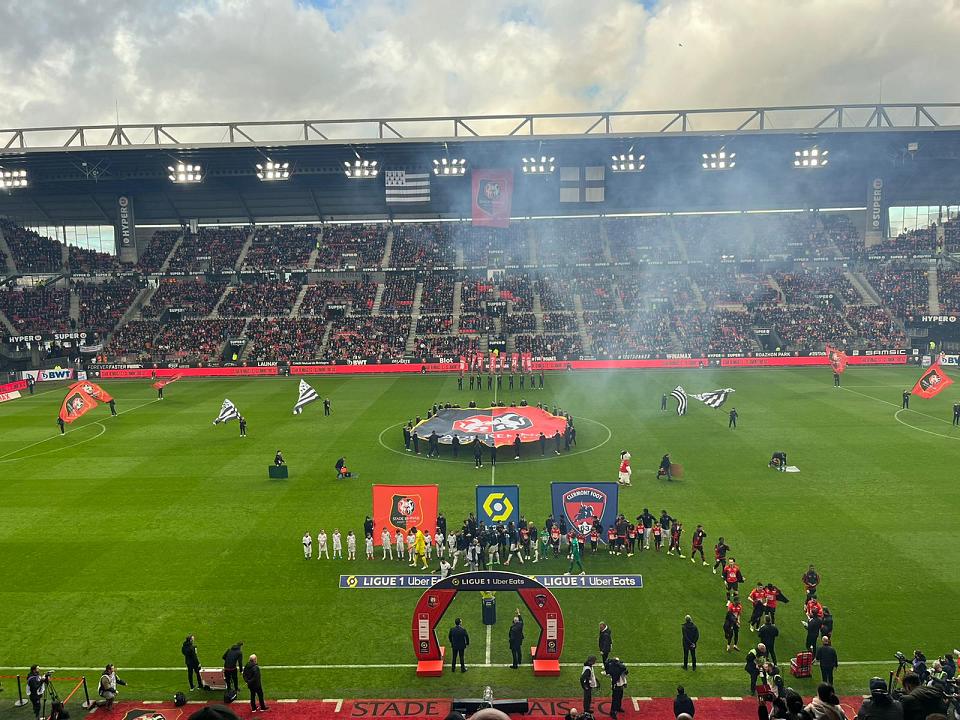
(732, 423)
(159, 392)
(731, 627)
(243, 426)
(60, 423)
(493, 454)
(459, 640)
(956, 413)
(575, 555)
(752, 668)
(192, 661)
(691, 636)
(322, 545)
(385, 544)
(460, 381)
(836, 379)
(543, 444)
(663, 402)
(516, 446)
(326, 406)
(113, 407)
(811, 579)
(618, 681)
(683, 704)
(515, 637)
(232, 664)
(768, 633)
(31, 381)
(588, 681)
(477, 453)
(406, 437)
(556, 442)
(307, 545)
(251, 676)
(826, 657)
(605, 643)
(905, 405)
(37, 686)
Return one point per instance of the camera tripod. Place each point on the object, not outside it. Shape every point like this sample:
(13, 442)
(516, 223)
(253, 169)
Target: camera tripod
(49, 691)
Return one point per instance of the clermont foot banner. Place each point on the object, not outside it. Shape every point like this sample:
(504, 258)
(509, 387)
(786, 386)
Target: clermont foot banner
(579, 503)
(498, 504)
(932, 382)
(494, 426)
(401, 507)
(492, 197)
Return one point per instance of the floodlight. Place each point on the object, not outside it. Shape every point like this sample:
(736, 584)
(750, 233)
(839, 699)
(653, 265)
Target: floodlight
(183, 173)
(273, 171)
(450, 166)
(13, 179)
(627, 162)
(360, 169)
(721, 160)
(538, 166)
(810, 158)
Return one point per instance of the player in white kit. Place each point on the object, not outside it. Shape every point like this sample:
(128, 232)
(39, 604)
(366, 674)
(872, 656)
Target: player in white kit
(438, 541)
(307, 546)
(369, 547)
(337, 545)
(454, 553)
(322, 545)
(428, 544)
(385, 544)
(401, 544)
(351, 545)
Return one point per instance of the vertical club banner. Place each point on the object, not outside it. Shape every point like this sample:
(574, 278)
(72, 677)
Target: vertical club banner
(580, 503)
(498, 504)
(125, 222)
(492, 197)
(875, 213)
(401, 507)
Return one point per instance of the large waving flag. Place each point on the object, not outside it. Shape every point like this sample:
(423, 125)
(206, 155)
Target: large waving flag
(837, 358)
(93, 390)
(681, 396)
(76, 404)
(307, 395)
(715, 398)
(228, 411)
(933, 381)
(163, 382)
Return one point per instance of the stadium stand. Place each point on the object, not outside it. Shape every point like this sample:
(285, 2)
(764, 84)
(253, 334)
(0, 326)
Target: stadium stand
(357, 295)
(37, 310)
(351, 247)
(285, 247)
(261, 298)
(157, 250)
(285, 339)
(198, 296)
(422, 246)
(103, 304)
(196, 340)
(210, 250)
(32, 252)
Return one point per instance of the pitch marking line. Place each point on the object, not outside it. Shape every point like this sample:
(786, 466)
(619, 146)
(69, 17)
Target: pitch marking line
(487, 654)
(896, 416)
(179, 668)
(81, 427)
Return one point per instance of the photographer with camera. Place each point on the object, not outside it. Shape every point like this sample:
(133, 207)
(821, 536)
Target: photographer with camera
(108, 687)
(36, 687)
(920, 700)
(618, 681)
(880, 705)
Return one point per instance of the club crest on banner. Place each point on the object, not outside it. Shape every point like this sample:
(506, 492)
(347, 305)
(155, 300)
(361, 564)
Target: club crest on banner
(579, 504)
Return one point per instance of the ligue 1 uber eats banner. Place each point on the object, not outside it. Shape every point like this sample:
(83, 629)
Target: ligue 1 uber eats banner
(498, 504)
(401, 507)
(498, 425)
(579, 503)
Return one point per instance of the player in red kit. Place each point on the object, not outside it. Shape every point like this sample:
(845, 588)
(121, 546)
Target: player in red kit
(612, 540)
(732, 623)
(732, 577)
(697, 547)
(758, 597)
(675, 532)
(594, 539)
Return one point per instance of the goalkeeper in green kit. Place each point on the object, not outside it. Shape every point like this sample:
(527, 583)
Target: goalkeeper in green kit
(575, 555)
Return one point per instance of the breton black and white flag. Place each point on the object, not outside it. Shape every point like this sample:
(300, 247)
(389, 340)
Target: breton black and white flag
(406, 187)
(228, 411)
(715, 398)
(307, 395)
(681, 396)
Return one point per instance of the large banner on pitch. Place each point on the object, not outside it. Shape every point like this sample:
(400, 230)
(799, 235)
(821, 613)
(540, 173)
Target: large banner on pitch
(401, 507)
(498, 504)
(580, 503)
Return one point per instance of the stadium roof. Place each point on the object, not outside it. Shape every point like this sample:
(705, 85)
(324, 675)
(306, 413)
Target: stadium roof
(76, 173)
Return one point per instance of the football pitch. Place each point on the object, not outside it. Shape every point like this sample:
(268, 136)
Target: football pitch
(123, 536)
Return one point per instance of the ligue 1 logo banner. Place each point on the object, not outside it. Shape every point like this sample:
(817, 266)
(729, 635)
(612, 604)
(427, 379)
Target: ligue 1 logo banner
(498, 504)
(401, 507)
(580, 503)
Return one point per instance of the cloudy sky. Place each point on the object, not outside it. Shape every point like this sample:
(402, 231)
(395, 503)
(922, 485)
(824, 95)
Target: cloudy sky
(74, 61)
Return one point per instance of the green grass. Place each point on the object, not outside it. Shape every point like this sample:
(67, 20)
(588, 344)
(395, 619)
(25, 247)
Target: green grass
(123, 536)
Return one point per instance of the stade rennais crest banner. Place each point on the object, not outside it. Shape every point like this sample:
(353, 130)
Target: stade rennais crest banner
(401, 507)
(579, 503)
(494, 426)
(498, 504)
(492, 197)
(932, 382)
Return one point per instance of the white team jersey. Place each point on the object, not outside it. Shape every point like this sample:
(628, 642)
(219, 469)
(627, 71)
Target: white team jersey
(438, 539)
(399, 539)
(444, 569)
(322, 540)
(307, 540)
(452, 542)
(428, 541)
(336, 541)
(369, 545)
(385, 539)
(351, 542)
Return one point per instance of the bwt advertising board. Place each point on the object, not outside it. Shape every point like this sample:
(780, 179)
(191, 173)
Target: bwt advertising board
(401, 507)
(498, 504)
(580, 503)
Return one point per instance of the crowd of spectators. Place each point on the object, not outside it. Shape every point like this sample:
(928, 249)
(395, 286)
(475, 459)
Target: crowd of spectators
(434, 324)
(32, 252)
(557, 346)
(493, 247)
(449, 346)
(473, 323)
(82, 260)
(351, 246)
(921, 241)
(197, 295)
(160, 245)
(874, 328)
(36, 310)
(595, 291)
(555, 293)
(210, 250)
(398, 292)
(134, 341)
(437, 293)
(520, 323)
(730, 331)
(902, 288)
(195, 340)
(726, 285)
(805, 326)
(577, 240)
(283, 247)
(616, 335)
(103, 304)
(948, 290)
(422, 246)
(559, 323)
(357, 295)
(358, 338)
(473, 293)
(285, 339)
(262, 298)
(517, 290)
(805, 284)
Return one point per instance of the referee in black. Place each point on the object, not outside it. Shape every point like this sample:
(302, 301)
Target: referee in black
(905, 405)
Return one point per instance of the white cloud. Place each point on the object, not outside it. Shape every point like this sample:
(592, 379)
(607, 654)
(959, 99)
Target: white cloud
(65, 63)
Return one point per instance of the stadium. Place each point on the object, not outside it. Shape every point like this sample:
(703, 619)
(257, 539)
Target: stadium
(222, 341)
